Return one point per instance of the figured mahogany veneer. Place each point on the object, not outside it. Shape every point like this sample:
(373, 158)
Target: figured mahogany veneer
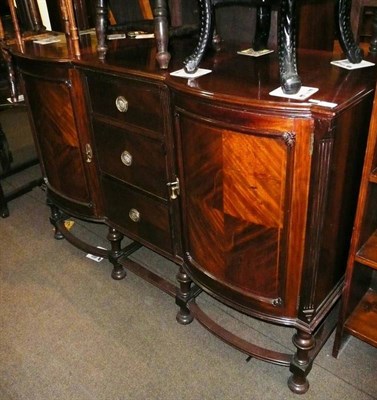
(250, 195)
(56, 102)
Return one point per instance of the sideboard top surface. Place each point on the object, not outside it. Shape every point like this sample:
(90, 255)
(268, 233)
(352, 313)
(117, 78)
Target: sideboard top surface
(235, 79)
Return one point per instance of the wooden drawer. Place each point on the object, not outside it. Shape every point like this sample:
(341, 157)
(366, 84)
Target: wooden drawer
(141, 101)
(135, 159)
(142, 217)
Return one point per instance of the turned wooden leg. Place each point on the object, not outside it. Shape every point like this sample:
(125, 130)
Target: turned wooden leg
(262, 29)
(4, 211)
(56, 215)
(4, 161)
(373, 41)
(301, 364)
(115, 253)
(289, 79)
(216, 40)
(161, 33)
(12, 79)
(6, 157)
(184, 315)
(101, 27)
(35, 15)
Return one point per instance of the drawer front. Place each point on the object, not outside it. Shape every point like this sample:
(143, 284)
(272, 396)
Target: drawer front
(133, 158)
(142, 217)
(127, 101)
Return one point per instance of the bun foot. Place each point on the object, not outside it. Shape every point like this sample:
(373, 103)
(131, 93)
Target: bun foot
(298, 385)
(58, 235)
(184, 317)
(5, 212)
(118, 274)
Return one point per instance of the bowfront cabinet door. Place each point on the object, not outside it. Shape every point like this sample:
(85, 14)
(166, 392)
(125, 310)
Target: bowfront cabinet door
(244, 200)
(59, 123)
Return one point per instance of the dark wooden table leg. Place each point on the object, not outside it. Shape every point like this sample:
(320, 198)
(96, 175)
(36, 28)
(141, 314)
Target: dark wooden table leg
(35, 16)
(184, 315)
(4, 211)
(56, 216)
(161, 32)
(373, 41)
(12, 78)
(301, 363)
(115, 238)
(5, 161)
(262, 29)
(101, 28)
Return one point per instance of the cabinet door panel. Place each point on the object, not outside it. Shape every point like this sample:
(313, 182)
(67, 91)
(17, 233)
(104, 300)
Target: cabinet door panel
(57, 137)
(236, 203)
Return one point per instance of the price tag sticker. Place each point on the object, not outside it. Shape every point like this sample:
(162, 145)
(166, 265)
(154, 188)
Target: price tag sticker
(95, 258)
(350, 66)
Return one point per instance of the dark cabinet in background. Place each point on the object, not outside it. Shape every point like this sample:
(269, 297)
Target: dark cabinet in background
(358, 316)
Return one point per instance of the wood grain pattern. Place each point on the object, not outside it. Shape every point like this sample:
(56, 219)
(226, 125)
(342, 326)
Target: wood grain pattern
(144, 102)
(358, 306)
(58, 138)
(254, 181)
(153, 228)
(363, 321)
(56, 100)
(148, 164)
(235, 206)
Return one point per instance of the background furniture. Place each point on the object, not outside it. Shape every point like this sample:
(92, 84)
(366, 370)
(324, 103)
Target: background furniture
(358, 315)
(287, 41)
(364, 22)
(30, 21)
(10, 166)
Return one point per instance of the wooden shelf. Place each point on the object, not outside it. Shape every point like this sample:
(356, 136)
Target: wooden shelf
(359, 318)
(367, 254)
(362, 323)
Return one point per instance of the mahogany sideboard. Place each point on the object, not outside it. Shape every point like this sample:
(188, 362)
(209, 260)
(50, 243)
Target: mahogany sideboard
(251, 196)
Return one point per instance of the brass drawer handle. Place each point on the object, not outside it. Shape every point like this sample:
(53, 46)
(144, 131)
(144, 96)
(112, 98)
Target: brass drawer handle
(126, 158)
(121, 104)
(134, 215)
